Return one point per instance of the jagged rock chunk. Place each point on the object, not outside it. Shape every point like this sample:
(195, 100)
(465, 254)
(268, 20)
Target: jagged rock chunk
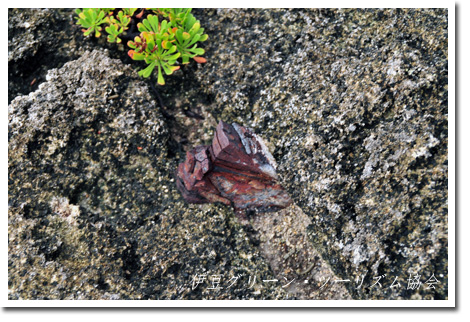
(237, 168)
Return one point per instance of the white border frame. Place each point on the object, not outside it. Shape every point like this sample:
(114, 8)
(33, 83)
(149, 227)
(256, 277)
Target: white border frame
(451, 302)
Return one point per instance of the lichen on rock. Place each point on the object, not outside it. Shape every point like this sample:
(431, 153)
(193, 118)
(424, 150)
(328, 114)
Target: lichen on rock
(94, 212)
(353, 105)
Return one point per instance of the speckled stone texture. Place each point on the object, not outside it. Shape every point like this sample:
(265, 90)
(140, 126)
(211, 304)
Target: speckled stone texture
(38, 39)
(354, 103)
(351, 103)
(94, 212)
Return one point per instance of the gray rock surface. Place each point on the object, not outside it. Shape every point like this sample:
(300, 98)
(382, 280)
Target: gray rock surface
(94, 212)
(354, 103)
(38, 40)
(353, 106)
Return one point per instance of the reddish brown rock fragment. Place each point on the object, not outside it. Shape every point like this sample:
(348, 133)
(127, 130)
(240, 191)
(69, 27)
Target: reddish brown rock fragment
(236, 169)
(191, 180)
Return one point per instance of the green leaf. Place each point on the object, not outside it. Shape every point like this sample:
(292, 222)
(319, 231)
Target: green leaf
(171, 50)
(129, 11)
(136, 56)
(149, 24)
(160, 80)
(173, 57)
(167, 69)
(185, 58)
(147, 71)
(179, 35)
(194, 40)
(151, 43)
(166, 44)
(198, 51)
(190, 21)
(195, 28)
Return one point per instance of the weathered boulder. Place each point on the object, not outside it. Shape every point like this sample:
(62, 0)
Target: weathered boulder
(354, 105)
(351, 103)
(94, 212)
(38, 40)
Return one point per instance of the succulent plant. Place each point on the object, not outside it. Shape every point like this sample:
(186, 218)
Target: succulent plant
(118, 26)
(155, 47)
(187, 37)
(165, 35)
(91, 19)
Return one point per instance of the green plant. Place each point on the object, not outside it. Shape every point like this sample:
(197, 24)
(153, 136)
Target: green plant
(119, 25)
(164, 35)
(156, 50)
(91, 18)
(187, 37)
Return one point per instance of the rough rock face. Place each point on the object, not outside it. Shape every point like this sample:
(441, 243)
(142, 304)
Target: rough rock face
(94, 212)
(38, 39)
(354, 103)
(353, 106)
(237, 168)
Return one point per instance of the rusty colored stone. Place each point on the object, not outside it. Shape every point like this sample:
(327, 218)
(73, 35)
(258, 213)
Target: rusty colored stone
(235, 169)
(191, 180)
